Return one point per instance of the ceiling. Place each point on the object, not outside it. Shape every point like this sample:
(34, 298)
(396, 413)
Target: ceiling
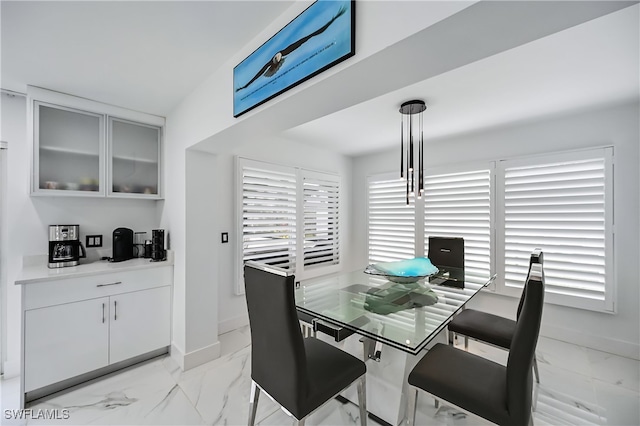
(142, 55)
(149, 55)
(589, 65)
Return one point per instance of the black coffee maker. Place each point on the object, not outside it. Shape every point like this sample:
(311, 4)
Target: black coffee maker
(122, 244)
(158, 252)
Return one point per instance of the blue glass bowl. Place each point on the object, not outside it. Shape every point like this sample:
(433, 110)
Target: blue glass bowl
(403, 271)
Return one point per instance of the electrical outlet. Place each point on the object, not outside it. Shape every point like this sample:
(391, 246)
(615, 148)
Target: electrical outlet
(94, 241)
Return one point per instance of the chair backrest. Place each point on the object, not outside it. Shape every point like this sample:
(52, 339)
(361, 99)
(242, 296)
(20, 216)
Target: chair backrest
(523, 346)
(446, 251)
(536, 257)
(278, 358)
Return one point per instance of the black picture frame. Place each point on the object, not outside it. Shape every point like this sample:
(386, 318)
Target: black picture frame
(320, 37)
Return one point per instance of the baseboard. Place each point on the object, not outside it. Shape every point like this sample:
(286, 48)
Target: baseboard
(600, 343)
(506, 306)
(195, 358)
(233, 323)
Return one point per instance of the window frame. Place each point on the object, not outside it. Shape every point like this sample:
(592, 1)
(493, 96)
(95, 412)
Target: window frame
(610, 285)
(420, 236)
(497, 212)
(301, 272)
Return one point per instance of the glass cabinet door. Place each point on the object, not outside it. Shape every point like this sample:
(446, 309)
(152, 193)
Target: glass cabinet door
(69, 147)
(134, 159)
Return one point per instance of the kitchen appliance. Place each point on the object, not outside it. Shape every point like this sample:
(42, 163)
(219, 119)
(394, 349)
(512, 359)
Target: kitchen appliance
(65, 248)
(158, 252)
(147, 249)
(139, 239)
(122, 244)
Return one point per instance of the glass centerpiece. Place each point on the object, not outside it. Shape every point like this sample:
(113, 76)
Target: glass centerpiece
(403, 271)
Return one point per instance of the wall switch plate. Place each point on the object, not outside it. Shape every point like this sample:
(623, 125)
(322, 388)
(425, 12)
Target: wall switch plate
(94, 241)
(224, 237)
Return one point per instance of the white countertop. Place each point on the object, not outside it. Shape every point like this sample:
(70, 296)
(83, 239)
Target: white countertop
(40, 272)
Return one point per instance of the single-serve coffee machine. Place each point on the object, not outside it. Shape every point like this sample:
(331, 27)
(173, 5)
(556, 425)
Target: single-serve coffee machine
(65, 248)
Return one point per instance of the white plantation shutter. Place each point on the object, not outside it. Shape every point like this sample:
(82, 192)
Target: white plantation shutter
(459, 205)
(268, 214)
(391, 221)
(320, 198)
(562, 204)
(287, 217)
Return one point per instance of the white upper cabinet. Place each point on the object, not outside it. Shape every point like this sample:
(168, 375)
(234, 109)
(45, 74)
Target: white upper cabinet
(86, 148)
(134, 159)
(68, 150)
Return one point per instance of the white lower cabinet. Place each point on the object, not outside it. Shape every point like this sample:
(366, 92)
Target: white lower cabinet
(78, 326)
(140, 323)
(65, 341)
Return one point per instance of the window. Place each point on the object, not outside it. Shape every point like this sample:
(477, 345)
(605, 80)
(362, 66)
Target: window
(562, 204)
(391, 220)
(321, 205)
(278, 204)
(459, 205)
(268, 215)
(455, 205)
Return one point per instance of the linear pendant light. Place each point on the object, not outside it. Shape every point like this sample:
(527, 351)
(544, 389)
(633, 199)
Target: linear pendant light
(411, 140)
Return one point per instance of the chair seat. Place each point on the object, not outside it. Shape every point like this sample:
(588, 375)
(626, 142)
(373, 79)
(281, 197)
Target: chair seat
(464, 379)
(330, 370)
(483, 326)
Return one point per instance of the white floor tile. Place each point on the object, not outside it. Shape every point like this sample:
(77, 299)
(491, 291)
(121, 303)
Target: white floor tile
(614, 369)
(618, 406)
(564, 355)
(578, 386)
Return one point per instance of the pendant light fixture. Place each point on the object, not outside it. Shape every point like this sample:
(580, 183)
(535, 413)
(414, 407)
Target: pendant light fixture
(412, 147)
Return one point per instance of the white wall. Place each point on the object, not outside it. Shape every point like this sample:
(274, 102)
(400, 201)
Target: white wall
(28, 217)
(204, 121)
(611, 125)
(233, 311)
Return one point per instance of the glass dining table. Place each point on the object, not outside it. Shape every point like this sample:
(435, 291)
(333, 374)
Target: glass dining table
(394, 320)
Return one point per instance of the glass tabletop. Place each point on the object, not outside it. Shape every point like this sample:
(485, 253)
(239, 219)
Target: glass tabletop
(403, 315)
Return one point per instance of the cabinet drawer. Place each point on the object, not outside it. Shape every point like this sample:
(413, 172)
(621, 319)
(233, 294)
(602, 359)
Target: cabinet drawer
(55, 292)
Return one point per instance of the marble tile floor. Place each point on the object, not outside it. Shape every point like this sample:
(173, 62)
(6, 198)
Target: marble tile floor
(579, 386)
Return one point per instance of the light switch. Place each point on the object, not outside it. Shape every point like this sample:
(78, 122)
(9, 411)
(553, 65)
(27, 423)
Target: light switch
(224, 238)
(94, 240)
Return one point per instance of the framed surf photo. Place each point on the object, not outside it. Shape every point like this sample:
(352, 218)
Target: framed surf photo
(322, 36)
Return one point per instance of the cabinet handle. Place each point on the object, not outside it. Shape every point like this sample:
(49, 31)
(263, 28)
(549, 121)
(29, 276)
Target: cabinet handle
(103, 313)
(105, 285)
(115, 310)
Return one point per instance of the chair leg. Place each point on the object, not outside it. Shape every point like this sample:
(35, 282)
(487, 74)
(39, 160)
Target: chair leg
(466, 343)
(253, 403)
(362, 400)
(411, 407)
(450, 338)
(535, 368)
(436, 402)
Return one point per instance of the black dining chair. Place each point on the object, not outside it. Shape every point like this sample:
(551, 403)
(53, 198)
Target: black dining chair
(489, 328)
(300, 374)
(447, 254)
(498, 393)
